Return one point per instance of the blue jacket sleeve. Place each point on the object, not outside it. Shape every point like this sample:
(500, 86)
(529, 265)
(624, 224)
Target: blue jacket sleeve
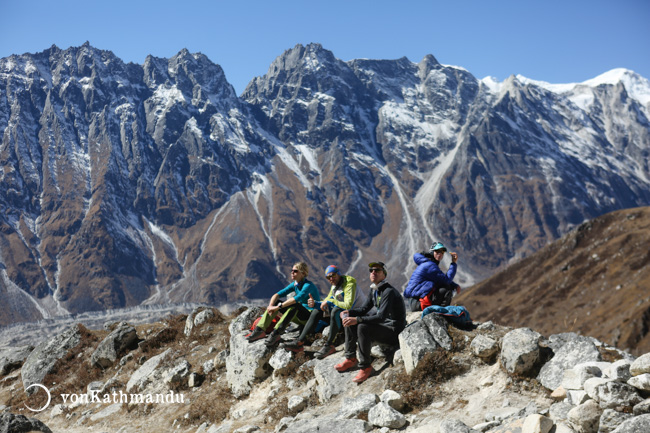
(290, 288)
(427, 276)
(302, 293)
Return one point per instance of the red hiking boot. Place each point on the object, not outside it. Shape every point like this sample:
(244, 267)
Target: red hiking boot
(363, 374)
(346, 365)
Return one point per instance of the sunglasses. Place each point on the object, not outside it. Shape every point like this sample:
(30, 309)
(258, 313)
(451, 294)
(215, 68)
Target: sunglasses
(439, 251)
(294, 271)
(330, 276)
(375, 270)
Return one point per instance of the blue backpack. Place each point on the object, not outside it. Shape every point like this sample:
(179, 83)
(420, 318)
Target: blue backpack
(453, 313)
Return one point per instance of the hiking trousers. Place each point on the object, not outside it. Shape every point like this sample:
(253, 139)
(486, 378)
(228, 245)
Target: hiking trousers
(315, 316)
(295, 313)
(363, 335)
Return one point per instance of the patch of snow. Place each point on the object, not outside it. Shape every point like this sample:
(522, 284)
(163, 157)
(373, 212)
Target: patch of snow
(636, 86)
(258, 190)
(310, 156)
(492, 84)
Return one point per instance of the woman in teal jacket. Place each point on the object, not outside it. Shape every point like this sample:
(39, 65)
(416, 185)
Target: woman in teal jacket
(293, 309)
(342, 296)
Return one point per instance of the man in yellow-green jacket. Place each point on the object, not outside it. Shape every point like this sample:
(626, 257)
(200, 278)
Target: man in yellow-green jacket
(342, 296)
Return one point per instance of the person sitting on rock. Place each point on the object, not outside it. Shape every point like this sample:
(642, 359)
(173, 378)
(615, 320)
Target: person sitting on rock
(428, 285)
(342, 296)
(293, 309)
(363, 325)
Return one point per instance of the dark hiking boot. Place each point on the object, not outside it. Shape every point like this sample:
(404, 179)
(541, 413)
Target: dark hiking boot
(325, 351)
(294, 346)
(273, 338)
(257, 334)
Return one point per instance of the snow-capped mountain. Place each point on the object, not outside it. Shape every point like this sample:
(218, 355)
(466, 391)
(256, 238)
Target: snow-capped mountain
(124, 184)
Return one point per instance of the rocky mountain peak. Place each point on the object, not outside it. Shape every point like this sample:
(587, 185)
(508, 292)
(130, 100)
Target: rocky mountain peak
(128, 184)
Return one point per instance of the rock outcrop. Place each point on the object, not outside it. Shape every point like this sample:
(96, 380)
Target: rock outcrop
(41, 360)
(510, 380)
(113, 345)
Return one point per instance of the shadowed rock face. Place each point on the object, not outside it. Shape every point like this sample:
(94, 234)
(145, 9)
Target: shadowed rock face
(123, 184)
(10, 422)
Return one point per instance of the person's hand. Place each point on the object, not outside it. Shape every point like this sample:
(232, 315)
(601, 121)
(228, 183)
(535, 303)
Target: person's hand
(349, 321)
(311, 301)
(324, 306)
(272, 308)
(454, 257)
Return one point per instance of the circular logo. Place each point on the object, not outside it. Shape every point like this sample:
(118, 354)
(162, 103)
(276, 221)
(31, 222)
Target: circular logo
(49, 397)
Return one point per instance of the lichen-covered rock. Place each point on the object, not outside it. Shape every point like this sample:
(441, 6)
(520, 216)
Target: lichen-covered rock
(520, 351)
(114, 345)
(415, 341)
(484, 347)
(382, 415)
(638, 424)
(10, 423)
(569, 350)
(246, 361)
(13, 357)
(585, 418)
(353, 407)
(43, 358)
(146, 373)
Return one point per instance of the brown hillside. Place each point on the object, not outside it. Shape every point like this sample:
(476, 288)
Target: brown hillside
(594, 281)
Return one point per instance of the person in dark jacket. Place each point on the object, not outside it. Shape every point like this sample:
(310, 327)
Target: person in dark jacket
(363, 327)
(428, 284)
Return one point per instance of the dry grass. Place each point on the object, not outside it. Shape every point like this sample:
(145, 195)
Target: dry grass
(174, 327)
(70, 375)
(210, 406)
(423, 385)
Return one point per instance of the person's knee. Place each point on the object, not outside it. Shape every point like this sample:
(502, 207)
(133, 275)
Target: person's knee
(364, 329)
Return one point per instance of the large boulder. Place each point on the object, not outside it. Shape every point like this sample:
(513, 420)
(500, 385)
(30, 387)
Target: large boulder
(114, 345)
(520, 351)
(569, 350)
(43, 358)
(147, 373)
(246, 362)
(360, 405)
(13, 357)
(422, 337)
(585, 417)
(613, 394)
(382, 415)
(611, 419)
(638, 424)
(330, 382)
(10, 423)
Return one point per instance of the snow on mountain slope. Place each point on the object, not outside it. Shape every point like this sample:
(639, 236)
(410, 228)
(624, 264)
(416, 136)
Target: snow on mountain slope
(124, 184)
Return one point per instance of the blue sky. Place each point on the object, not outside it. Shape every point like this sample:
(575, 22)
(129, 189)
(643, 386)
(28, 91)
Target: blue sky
(555, 41)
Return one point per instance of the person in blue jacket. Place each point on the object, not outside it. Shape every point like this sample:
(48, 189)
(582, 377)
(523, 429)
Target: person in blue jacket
(293, 309)
(428, 284)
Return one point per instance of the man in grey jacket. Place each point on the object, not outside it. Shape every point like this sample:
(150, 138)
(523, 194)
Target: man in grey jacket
(363, 328)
